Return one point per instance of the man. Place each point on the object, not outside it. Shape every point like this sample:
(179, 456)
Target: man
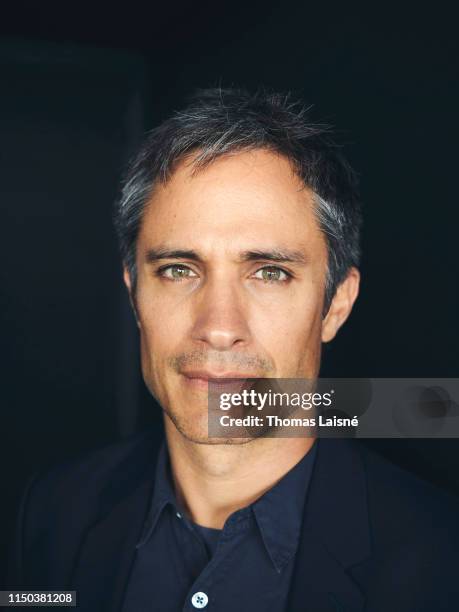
(239, 229)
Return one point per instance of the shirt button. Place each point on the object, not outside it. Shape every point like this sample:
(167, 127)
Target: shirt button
(178, 515)
(199, 600)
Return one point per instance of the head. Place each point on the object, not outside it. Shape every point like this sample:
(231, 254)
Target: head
(239, 226)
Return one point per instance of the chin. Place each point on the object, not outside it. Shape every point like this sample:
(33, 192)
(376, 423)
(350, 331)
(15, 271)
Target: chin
(193, 431)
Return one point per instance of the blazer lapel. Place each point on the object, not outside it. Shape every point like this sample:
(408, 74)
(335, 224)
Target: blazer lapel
(108, 549)
(335, 533)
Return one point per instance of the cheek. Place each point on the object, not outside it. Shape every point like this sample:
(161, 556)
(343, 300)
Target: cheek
(161, 335)
(290, 333)
(162, 338)
(163, 327)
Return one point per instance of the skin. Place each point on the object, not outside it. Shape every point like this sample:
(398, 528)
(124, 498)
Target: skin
(230, 307)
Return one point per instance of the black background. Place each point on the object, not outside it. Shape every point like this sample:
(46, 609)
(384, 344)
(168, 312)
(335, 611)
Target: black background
(77, 91)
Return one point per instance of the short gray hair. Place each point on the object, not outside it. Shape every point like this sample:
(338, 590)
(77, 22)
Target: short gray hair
(220, 121)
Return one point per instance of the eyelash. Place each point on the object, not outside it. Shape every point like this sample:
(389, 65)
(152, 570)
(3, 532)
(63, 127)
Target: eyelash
(160, 273)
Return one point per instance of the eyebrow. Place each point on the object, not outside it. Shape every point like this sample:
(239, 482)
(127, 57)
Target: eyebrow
(275, 255)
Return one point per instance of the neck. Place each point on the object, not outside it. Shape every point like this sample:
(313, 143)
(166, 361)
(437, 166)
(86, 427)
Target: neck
(214, 480)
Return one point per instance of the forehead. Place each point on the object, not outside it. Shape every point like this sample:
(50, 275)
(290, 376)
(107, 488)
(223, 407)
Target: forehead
(249, 197)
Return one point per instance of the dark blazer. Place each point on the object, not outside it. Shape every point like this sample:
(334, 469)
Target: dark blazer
(374, 537)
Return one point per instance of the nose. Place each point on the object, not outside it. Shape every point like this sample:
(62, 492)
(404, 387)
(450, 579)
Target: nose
(220, 319)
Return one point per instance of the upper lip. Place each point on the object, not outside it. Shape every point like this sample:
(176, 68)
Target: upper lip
(208, 375)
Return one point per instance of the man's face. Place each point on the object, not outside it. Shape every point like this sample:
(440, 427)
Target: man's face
(231, 276)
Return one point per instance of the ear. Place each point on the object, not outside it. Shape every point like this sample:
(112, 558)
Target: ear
(127, 279)
(341, 305)
(127, 282)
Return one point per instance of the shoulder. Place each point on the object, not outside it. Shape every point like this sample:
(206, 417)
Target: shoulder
(61, 502)
(79, 482)
(403, 506)
(400, 486)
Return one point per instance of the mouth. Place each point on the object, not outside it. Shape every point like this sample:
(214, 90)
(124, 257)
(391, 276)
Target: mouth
(229, 382)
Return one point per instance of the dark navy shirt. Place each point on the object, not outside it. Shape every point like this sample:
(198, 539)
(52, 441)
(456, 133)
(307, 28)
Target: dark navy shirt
(246, 566)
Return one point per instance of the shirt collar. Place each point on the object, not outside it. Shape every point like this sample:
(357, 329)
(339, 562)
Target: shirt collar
(278, 512)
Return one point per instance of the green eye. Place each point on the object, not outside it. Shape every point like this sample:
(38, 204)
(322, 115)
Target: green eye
(177, 272)
(272, 274)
